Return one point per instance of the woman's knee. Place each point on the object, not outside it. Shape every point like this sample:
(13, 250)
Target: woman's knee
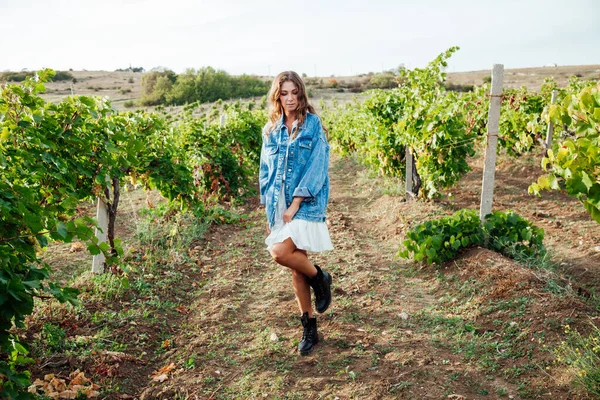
(280, 254)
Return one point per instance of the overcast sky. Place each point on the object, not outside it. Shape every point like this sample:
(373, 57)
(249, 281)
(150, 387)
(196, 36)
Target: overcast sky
(327, 37)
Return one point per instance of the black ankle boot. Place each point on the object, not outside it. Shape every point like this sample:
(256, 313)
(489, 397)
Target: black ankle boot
(321, 285)
(309, 335)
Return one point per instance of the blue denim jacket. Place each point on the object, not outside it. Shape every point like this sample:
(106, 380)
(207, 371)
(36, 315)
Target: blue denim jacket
(306, 169)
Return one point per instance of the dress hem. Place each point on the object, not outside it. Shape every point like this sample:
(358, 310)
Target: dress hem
(307, 248)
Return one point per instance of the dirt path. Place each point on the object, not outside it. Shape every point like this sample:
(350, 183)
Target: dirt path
(384, 337)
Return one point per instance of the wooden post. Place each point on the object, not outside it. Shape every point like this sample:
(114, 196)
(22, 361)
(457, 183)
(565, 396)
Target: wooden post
(550, 124)
(102, 217)
(409, 174)
(222, 122)
(489, 167)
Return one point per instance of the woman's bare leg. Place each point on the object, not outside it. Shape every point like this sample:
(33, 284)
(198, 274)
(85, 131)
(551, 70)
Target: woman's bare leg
(288, 255)
(302, 292)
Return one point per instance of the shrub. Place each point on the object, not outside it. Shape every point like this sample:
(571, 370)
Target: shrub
(384, 80)
(419, 114)
(223, 158)
(441, 240)
(63, 76)
(52, 338)
(511, 234)
(130, 69)
(204, 85)
(129, 104)
(156, 86)
(574, 160)
(15, 76)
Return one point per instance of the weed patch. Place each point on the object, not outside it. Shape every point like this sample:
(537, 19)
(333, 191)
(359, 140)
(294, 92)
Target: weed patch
(581, 353)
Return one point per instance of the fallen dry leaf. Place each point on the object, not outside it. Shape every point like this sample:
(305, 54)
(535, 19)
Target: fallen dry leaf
(162, 374)
(56, 388)
(78, 380)
(59, 384)
(67, 394)
(160, 378)
(91, 393)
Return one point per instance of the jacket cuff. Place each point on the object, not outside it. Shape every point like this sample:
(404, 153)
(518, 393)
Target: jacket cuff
(302, 192)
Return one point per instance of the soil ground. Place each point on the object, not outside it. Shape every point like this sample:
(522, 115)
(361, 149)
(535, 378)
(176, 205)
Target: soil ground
(225, 325)
(393, 331)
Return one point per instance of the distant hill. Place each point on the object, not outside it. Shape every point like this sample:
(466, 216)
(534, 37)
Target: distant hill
(122, 86)
(532, 78)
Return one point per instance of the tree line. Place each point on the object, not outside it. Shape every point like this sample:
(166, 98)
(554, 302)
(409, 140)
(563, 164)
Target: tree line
(204, 85)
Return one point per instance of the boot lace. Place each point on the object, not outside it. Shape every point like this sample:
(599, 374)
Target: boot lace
(307, 334)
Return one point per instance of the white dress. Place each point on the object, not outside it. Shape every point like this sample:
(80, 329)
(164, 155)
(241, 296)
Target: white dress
(306, 235)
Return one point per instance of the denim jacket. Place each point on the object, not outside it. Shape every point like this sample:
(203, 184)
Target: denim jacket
(305, 169)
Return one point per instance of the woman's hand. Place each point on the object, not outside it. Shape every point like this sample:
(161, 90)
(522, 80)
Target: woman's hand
(288, 215)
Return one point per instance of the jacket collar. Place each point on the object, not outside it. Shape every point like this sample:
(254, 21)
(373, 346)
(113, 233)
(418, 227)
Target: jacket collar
(280, 122)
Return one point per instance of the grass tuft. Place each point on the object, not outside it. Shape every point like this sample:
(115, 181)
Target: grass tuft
(582, 354)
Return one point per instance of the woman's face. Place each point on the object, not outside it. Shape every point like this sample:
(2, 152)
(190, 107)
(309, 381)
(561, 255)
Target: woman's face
(288, 95)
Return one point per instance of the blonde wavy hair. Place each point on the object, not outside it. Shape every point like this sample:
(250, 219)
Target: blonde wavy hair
(276, 109)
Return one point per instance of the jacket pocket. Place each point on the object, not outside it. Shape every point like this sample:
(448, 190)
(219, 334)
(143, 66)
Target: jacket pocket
(304, 150)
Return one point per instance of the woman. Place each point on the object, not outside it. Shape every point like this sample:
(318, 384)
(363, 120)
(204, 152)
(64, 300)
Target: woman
(294, 186)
